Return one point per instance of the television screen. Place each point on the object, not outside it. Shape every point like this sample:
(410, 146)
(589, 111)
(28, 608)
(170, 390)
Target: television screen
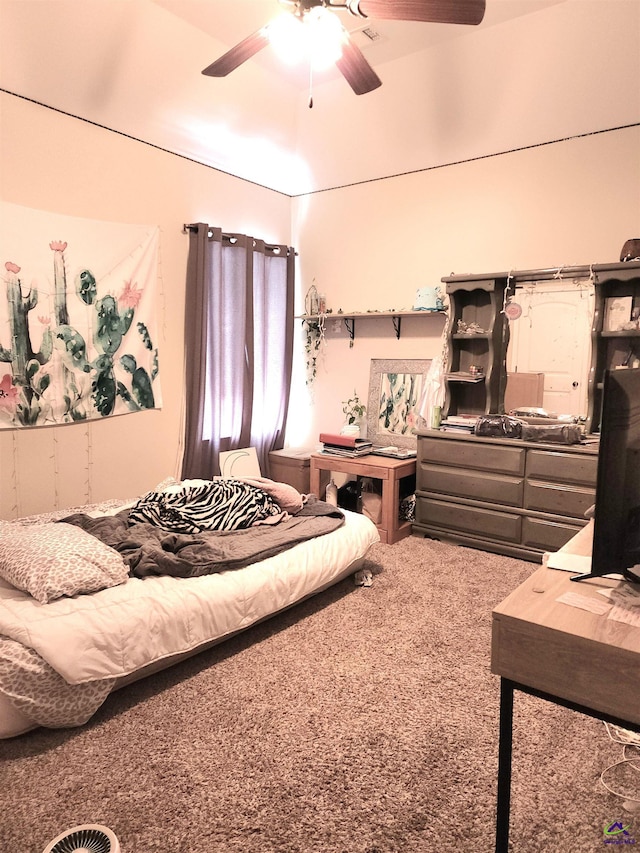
(616, 533)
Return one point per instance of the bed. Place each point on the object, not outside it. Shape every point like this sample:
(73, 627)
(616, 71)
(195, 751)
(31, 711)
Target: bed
(95, 598)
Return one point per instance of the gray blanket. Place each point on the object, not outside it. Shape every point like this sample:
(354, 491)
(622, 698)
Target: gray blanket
(149, 550)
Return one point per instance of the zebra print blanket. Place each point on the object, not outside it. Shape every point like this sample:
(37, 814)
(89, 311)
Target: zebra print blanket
(150, 550)
(213, 505)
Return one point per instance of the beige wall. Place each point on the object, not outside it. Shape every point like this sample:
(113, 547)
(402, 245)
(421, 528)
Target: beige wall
(567, 70)
(367, 247)
(53, 162)
(371, 246)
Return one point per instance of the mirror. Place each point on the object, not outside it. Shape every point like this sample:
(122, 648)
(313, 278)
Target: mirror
(549, 351)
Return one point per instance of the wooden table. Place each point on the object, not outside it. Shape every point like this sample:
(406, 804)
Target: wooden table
(572, 657)
(389, 471)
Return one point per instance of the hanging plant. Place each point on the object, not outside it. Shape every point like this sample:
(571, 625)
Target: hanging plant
(314, 322)
(314, 334)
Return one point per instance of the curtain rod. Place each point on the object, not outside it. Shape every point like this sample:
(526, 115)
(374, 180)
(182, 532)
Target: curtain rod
(193, 227)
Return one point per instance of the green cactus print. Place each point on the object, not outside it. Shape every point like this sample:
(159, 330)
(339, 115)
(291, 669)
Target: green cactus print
(86, 287)
(140, 382)
(25, 362)
(64, 381)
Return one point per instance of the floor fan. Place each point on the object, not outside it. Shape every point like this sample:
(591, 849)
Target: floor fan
(88, 838)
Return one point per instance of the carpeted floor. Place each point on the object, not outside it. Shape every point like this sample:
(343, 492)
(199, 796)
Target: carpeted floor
(363, 721)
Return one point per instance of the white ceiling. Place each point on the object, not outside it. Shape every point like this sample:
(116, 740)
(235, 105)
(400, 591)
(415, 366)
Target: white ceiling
(230, 21)
(134, 66)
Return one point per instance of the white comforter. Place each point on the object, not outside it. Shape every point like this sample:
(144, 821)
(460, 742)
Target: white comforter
(119, 630)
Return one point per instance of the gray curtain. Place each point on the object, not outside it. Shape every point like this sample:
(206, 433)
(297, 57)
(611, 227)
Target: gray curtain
(239, 347)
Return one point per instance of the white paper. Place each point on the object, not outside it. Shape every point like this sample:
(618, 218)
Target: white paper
(628, 615)
(626, 595)
(584, 602)
(569, 562)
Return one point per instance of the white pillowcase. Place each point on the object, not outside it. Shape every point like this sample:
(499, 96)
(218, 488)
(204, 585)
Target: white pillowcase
(55, 559)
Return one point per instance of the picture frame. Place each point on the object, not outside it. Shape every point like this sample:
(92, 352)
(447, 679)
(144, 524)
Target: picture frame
(617, 313)
(395, 390)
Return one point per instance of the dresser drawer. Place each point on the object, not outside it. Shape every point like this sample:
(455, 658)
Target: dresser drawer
(482, 457)
(546, 535)
(558, 499)
(562, 467)
(475, 485)
(485, 523)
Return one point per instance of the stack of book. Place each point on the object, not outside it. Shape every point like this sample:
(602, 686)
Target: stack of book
(459, 423)
(344, 445)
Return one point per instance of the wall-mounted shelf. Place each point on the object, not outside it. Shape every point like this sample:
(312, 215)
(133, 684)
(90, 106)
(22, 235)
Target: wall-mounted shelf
(350, 319)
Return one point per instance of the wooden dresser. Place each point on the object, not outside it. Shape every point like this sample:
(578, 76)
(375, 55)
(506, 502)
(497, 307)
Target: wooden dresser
(503, 495)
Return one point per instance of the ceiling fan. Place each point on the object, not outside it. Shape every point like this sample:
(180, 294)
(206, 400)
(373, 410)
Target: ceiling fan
(349, 58)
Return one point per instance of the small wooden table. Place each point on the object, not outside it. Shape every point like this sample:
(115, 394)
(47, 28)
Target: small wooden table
(389, 470)
(572, 657)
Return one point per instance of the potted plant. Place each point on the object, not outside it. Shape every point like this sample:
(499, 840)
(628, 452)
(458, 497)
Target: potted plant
(353, 411)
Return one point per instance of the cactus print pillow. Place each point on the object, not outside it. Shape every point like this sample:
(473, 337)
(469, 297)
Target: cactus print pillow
(55, 559)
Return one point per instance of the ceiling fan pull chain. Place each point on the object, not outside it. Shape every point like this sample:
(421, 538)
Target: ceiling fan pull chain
(310, 85)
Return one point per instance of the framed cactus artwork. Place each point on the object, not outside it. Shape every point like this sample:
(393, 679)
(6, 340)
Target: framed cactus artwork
(78, 336)
(395, 389)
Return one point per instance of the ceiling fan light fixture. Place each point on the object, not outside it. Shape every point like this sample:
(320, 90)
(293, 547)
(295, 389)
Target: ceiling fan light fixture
(286, 37)
(326, 38)
(316, 38)
(313, 33)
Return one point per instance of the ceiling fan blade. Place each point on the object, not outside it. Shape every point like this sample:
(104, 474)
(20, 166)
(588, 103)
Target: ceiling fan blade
(429, 11)
(229, 61)
(356, 70)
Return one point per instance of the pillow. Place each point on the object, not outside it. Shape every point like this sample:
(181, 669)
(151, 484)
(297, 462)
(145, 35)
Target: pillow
(287, 497)
(55, 559)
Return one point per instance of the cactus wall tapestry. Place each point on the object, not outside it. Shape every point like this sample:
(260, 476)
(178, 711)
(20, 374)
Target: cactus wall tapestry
(78, 337)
